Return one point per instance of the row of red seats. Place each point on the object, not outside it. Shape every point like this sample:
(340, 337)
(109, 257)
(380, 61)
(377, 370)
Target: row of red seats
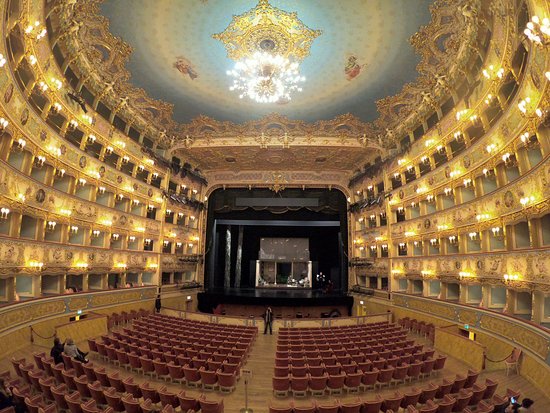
(334, 381)
(125, 317)
(418, 327)
(96, 391)
(184, 333)
(417, 403)
(174, 322)
(210, 375)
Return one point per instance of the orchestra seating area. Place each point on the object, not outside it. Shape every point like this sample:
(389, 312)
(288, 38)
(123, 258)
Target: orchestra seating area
(197, 354)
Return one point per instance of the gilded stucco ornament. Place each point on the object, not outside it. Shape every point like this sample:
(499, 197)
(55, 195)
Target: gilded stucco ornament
(267, 28)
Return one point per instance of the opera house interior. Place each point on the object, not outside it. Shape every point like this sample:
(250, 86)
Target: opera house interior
(277, 206)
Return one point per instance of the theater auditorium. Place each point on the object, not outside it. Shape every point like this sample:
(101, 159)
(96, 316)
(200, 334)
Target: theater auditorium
(274, 206)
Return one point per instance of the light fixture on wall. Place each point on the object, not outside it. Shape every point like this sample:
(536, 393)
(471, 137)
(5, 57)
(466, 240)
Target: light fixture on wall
(3, 60)
(81, 182)
(434, 242)
(115, 236)
(527, 200)
(489, 173)
(39, 161)
(131, 238)
(430, 198)
(147, 241)
(4, 212)
(509, 278)
(73, 229)
(119, 197)
(50, 226)
(108, 150)
(95, 233)
(467, 183)
(497, 232)
(453, 240)
(101, 190)
(73, 124)
(56, 108)
(91, 139)
(19, 144)
(538, 31)
(448, 191)
(474, 236)
(125, 159)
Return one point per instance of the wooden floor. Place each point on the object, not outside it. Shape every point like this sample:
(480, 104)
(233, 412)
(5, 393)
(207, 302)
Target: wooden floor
(262, 360)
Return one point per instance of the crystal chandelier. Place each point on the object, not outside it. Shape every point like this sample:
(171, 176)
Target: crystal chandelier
(266, 78)
(267, 45)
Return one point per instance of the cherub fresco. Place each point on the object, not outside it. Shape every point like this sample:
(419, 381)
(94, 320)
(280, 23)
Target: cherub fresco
(353, 67)
(184, 66)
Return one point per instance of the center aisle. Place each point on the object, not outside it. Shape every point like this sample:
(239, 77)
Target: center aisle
(261, 362)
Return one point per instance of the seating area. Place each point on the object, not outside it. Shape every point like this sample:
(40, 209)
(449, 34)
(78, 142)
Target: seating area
(354, 358)
(448, 396)
(85, 388)
(197, 354)
(418, 327)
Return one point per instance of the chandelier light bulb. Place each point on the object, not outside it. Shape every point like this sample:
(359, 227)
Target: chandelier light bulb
(266, 78)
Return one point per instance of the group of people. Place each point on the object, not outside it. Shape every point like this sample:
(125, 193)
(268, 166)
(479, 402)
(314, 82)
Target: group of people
(69, 348)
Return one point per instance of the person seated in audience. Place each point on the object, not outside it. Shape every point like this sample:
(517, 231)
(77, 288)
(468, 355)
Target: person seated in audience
(526, 406)
(56, 351)
(73, 351)
(7, 399)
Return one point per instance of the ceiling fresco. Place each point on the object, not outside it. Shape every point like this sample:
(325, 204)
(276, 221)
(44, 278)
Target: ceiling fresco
(362, 55)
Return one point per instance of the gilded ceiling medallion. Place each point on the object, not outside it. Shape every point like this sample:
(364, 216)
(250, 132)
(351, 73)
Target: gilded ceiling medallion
(268, 29)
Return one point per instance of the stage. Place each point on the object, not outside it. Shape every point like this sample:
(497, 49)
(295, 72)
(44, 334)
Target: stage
(285, 302)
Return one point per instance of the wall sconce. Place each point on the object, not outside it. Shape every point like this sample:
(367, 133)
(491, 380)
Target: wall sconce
(91, 139)
(135, 202)
(125, 159)
(442, 227)
(453, 240)
(491, 72)
(39, 161)
(73, 229)
(178, 244)
(121, 265)
(140, 168)
(190, 245)
(400, 210)
(421, 189)
(488, 173)
(19, 144)
(108, 150)
(95, 233)
(43, 86)
(397, 176)
(538, 31)
(155, 175)
(119, 197)
(3, 60)
(497, 232)
(382, 215)
(56, 108)
(192, 217)
(448, 191)
(180, 215)
(150, 208)
(416, 243)
(509, 159)
(425, 160)
(81, 182)
(165, 243)
(373, 247)
(101, 190)
(458, 136)
(73, 124)
(60, 173)
(526, 200)
(168, 211)
(384, 247)
(467, 183)
(81, 265)
(526, 106)
(434, 242)
(50, 226)
(474, 119)
(430, 198)
(414, 204)
(66, 212)
(402, 246)
(491, 147)
(529, 139)
(440, 149)
(115, 237)
(4, 212)
(147, 241)
(510, 277)
(474, 236)
(36, 265)
(464, 274)
(120, 144)
(131, 238)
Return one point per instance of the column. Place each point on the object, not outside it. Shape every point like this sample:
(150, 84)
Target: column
(227, 270)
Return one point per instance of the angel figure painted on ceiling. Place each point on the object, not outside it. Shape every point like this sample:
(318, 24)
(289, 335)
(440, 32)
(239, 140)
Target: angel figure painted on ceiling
(353, 67)
(184, 66)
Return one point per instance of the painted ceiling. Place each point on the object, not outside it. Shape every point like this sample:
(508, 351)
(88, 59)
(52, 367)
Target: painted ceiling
(362, 55)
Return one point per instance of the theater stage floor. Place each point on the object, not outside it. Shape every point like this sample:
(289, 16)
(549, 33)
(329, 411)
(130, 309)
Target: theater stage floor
(262, 361)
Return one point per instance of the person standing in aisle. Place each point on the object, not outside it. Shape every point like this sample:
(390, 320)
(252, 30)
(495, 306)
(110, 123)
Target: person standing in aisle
(268, 320)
